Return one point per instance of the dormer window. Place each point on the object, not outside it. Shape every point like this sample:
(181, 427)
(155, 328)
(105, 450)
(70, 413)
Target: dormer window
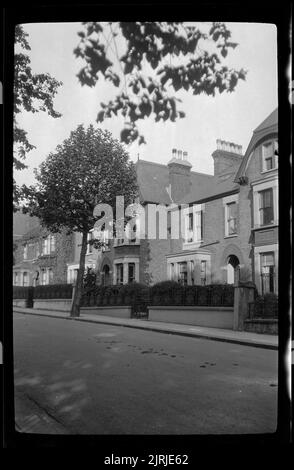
(270, 155)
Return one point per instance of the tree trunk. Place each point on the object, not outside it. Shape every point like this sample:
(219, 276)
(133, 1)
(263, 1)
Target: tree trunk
(75, 309)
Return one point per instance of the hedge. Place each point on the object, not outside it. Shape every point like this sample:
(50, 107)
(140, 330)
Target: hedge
(266, 306)
(128, 294)
(162, 293)
(53, 291)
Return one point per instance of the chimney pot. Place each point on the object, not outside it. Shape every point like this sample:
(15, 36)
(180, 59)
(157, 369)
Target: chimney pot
(180, 154)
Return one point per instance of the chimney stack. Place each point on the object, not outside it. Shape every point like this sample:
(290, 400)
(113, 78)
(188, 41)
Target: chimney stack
(227, 157)
(179, 175)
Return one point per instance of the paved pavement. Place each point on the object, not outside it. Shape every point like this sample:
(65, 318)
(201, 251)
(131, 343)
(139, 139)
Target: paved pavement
(95, 378)
(237, 337)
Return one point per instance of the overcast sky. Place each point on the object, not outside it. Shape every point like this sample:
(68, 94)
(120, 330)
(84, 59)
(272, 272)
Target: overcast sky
(229, 116)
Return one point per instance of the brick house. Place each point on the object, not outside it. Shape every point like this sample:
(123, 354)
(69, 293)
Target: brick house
(230, 219)
(229, 224)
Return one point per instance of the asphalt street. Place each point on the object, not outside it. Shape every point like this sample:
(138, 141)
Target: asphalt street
(85, 378)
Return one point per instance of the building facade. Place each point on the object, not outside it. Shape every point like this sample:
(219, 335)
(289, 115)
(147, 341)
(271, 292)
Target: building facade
(230, 219)
(228, 225)
(41, 257)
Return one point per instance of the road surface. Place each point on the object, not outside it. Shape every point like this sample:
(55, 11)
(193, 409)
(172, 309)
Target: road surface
(84, 378)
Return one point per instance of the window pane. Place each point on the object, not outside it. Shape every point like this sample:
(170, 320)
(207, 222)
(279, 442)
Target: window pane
(25, 279)
(119, 274)
(268, 150)
(267, 259)
(52, 243)
(203, 272)
(131, 273)
(198, 224)
(266, 207)
(231, 218)
(183, 272)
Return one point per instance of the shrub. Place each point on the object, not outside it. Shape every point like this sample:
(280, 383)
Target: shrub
(89, 280)
(53, 291)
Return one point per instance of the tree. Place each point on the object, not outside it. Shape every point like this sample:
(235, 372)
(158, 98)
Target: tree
(87, 169)
(157, 60)
(32, 93)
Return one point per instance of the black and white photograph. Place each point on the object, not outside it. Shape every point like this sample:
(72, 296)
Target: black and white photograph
(145, 223)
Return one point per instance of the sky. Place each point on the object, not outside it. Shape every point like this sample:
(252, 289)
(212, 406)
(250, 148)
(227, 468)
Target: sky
(229, 116)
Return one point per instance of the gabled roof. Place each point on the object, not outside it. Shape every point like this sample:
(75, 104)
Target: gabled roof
(213, 189)
(153, 180)
(271, 120)
(267, 127)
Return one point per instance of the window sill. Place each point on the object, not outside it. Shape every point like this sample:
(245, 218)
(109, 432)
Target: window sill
(127, 244)
(265, 227)
(232, 236)
(266, 172)
(194, 244)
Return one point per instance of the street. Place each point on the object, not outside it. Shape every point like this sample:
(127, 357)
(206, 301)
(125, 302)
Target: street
(85, 378)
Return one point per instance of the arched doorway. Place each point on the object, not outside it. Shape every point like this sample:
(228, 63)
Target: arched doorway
(106, 275)
(233, 269)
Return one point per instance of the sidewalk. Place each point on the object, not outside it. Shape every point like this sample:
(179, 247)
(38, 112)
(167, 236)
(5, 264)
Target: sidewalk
(229, 336)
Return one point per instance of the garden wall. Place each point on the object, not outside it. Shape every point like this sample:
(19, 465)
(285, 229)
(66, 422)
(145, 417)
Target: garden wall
(213, 317)
(113, 311)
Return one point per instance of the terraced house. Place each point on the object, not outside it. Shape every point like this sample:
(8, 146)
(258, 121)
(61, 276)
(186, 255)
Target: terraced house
(230, 225)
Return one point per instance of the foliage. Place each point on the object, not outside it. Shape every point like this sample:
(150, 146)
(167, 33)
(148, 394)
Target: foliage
(266, 306)
(164, 287)
(20, 292)
(158, 59)
(173, 293)
(32, 93)
(89, 280)
(53, 291)
(88, 168)
(115, 295)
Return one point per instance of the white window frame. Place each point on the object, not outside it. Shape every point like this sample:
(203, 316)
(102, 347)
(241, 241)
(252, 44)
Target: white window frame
(193, 237)
(125, 262)
(52, 244)
(26, 282)
(72, 267)
(233, 199)
(45, 246)
(274, 157)
(259, 186)
(25, 251)
(258, 251)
